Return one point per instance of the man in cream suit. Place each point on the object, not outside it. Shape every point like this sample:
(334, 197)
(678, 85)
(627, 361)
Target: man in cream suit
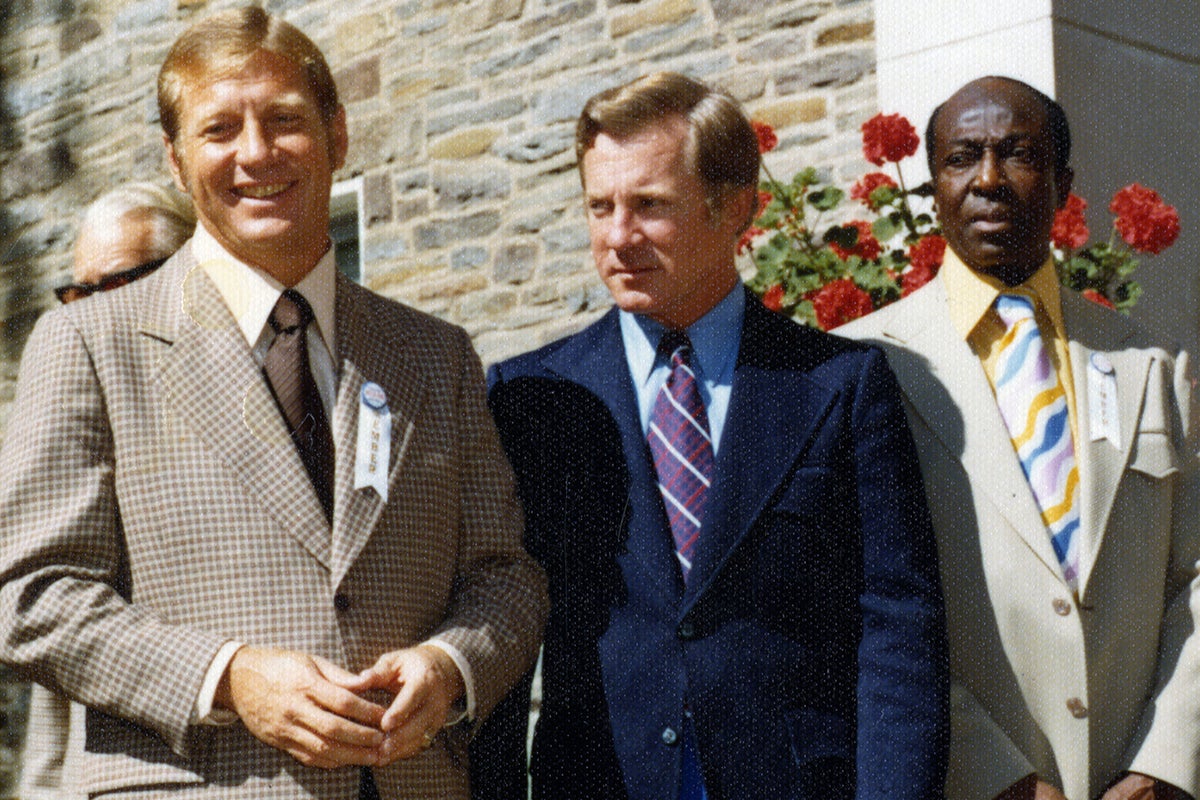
(255, 517)
(1076, 672)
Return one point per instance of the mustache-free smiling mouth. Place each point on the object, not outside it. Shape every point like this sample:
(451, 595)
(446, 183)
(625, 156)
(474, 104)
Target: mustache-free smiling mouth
(259, 192)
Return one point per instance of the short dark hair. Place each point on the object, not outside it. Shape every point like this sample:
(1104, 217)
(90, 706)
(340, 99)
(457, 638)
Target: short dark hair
(722, 147)
(1056, 119)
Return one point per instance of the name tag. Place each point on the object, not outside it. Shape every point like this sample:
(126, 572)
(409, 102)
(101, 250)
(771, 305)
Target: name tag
(374, 440)
(1102, 400)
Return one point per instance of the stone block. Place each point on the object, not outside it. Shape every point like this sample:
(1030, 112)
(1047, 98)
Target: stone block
(77, 32)
(778, 48)
(463, 143)
(504, 10)
(567, 239)
(37, 170)
(535, 221)
(846, 33)
(141, 15)
(469, 257)
(560, 17)
(460, 187)
(359, 34)
(359, 81)
(537, 145)
(410, 209)
(829, 69)
(516, 262)
(658, 12)
(381, 139)
(786, 113)
(491, 112)
(439, 233)
(502, 64)
(376, 198)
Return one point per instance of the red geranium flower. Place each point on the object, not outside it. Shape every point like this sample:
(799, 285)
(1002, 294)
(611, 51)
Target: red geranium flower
(888, 137)
(747, 238)
(766, 136)
(772, 298)
(861, 191)
(866, 247)
(1070, 230)
(839, 302)
(1145, 222)
(1096, 297)
(925, 258)
(764, 200)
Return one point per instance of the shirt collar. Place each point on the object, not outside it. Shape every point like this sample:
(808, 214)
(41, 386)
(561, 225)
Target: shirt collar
(251, 293)
(971, 294)
(714, 338)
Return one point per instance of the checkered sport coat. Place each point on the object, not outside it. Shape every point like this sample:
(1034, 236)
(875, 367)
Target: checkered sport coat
(152, 507)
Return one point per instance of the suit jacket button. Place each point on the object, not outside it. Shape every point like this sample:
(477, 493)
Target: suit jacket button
(669, 737)
(687, 630)
(1061, 607)
(341, 601)
(1077, 708)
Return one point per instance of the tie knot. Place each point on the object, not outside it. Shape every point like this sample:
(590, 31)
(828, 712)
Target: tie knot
(675, 345)
(291, 311)
(1013, 308)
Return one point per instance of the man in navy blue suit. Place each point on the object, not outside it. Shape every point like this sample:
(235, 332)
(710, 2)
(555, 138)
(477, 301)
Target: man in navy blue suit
(744, 593)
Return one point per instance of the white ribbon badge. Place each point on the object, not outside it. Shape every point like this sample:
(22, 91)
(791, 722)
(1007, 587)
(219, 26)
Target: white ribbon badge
(1102, 400)
(374, 439)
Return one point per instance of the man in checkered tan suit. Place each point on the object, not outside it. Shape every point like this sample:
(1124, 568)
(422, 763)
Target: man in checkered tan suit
(244, 613)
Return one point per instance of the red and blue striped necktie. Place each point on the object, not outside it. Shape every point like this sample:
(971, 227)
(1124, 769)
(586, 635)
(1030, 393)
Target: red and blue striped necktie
(682, 448)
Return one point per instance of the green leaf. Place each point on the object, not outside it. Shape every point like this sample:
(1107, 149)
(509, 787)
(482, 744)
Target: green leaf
(845, 236)
(826, 198)
(884, 229)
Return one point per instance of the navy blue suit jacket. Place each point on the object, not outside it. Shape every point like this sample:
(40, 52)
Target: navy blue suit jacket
(809, 642)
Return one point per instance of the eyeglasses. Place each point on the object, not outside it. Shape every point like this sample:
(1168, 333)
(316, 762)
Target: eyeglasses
(77, 291)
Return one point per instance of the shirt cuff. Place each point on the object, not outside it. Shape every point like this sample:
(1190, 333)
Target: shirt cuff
(204, 713)
(457, 711)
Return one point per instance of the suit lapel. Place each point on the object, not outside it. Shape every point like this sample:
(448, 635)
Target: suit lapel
(946, 385)
(595, 359)
(1092, 330)
(213, 385)
(773, 412)
(371, 347)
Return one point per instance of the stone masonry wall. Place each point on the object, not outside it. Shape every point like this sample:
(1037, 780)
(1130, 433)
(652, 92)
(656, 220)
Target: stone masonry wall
(461, 119)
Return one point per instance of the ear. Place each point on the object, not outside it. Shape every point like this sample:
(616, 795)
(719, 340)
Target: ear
(1062, 184)
(176, 165)
(339, 143)
(739, 208)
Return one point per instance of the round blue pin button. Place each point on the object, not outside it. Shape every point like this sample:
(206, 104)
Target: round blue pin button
(373, 395)
(1101, 363)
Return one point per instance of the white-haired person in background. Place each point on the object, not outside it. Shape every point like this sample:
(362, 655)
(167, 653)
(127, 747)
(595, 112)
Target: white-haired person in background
(126, 233)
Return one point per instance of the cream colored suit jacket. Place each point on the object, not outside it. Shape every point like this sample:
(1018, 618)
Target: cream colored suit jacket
(1074, 690)
(154, 507)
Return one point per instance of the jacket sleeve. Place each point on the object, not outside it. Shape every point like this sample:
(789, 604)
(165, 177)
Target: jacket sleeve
(1167, 745)
(499, 605)
(66, 619)
(903, 724)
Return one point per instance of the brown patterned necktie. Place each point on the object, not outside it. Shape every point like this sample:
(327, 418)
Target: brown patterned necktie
(290, 376)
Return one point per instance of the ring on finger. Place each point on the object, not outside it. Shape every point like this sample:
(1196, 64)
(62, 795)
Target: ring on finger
(428, 738)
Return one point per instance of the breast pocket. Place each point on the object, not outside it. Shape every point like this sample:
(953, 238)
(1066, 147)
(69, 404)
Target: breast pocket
(1153, 455)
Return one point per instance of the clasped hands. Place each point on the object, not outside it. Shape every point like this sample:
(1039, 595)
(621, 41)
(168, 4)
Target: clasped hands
(318, 712)
(1133, 786)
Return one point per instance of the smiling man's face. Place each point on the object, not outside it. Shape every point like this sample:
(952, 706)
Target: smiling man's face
(995, 184)
(258, 162)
